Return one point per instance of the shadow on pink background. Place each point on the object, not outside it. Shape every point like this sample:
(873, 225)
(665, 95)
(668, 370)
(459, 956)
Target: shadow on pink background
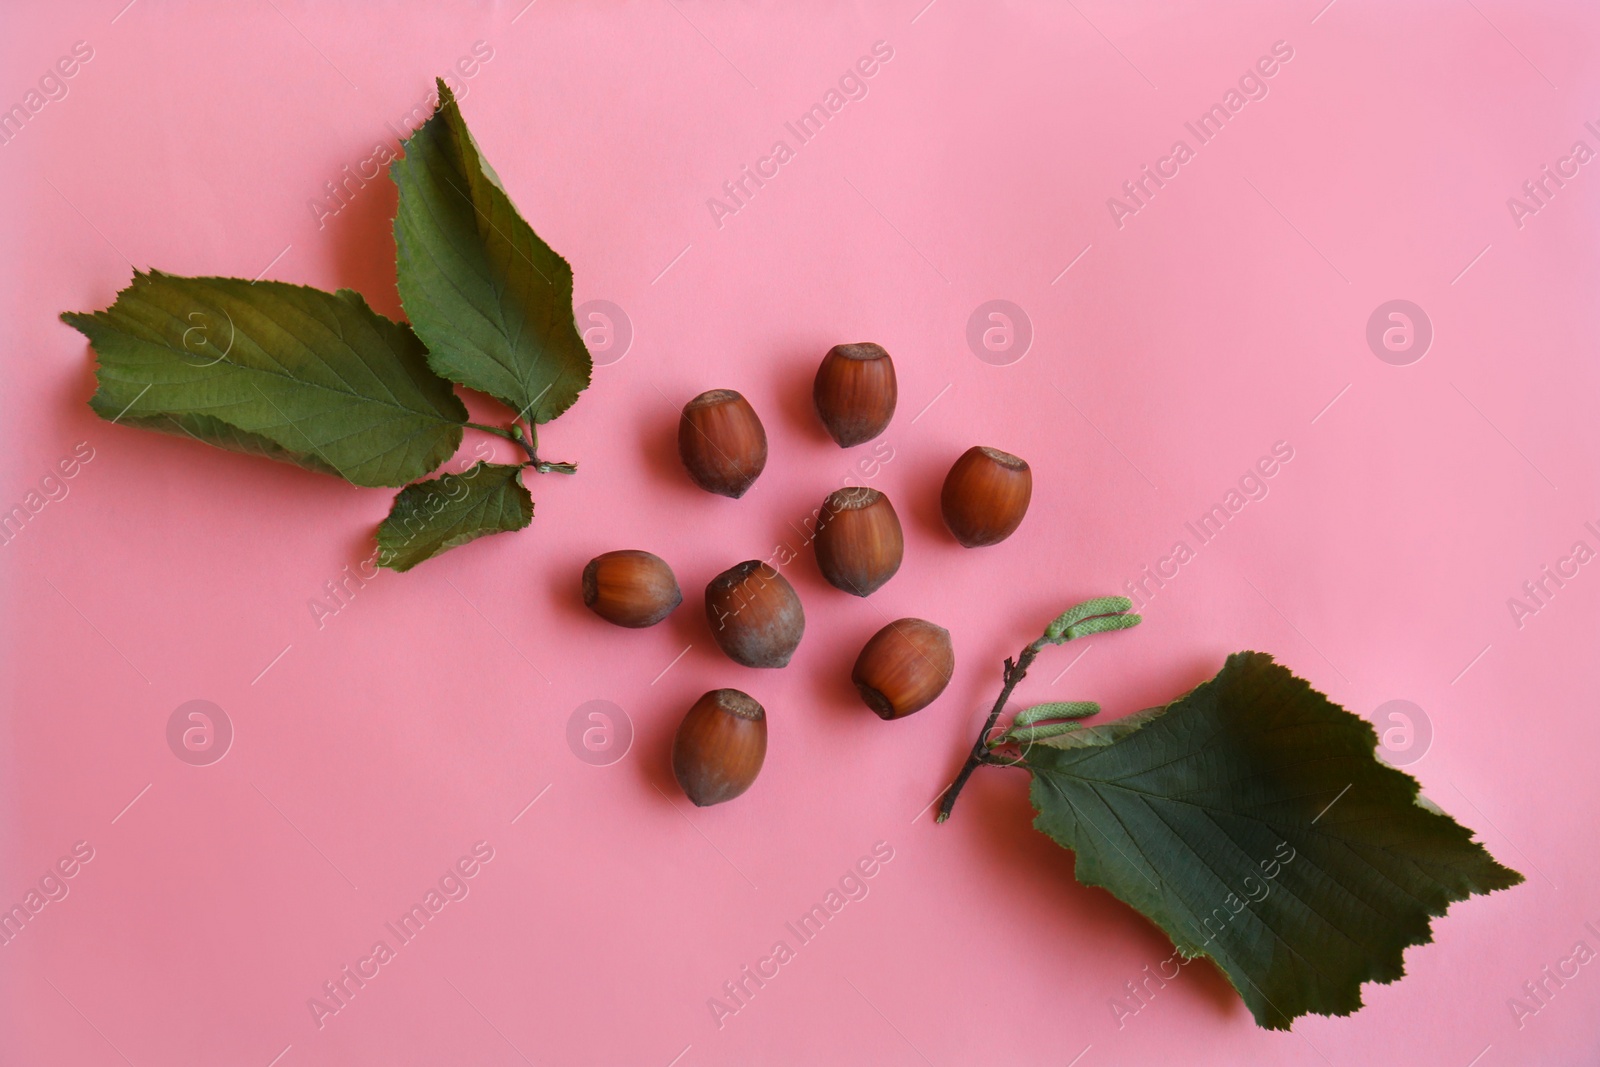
(1171, 348)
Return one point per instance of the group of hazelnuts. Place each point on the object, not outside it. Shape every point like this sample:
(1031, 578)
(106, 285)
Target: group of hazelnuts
(755, 614)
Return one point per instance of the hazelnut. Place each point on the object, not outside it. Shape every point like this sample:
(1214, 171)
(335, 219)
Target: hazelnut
(904, 667)
(859, 542)
(720, 746)
(855, 392)
(755, 614)
(722, 442)
(985, 496)
(630, 588)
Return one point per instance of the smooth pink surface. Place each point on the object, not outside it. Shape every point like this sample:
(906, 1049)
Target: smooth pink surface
(373, 752)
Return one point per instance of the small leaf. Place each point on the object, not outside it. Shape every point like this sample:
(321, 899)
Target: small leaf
(434, 516)
(492, 302)
(1252, 822)
(1056, 632)
(1059, 709)
(1102, 624)
(1110, 733)
(1022, 735)
(296, 374)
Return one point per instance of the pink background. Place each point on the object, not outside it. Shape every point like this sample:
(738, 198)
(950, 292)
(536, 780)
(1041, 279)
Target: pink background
(1223, 317)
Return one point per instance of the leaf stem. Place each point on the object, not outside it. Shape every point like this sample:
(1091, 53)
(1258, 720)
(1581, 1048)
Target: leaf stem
(496, 430)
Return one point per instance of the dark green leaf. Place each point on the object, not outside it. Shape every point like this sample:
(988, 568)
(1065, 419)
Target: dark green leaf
(313, 378)
(491, 300)
(1251, 821)
(430, 517)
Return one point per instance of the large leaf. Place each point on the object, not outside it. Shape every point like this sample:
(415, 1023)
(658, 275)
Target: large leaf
(491, 300)
(1252, 822)
(431, 517)
(310, 377)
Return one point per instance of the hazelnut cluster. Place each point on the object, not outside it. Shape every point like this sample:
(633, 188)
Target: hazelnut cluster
(755, 614)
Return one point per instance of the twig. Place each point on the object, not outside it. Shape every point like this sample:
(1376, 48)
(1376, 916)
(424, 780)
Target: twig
(528, 441)
(530, 444)
(1015, 671)
(1090, 617)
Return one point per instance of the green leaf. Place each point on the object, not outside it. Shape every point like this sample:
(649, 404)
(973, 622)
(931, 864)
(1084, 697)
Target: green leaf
(1251, 821)
(492, 302)
(433, 516)
(1057, 709)
(309, 377)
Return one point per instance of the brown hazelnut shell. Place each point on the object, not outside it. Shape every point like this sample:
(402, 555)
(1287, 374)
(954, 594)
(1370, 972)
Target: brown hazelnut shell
(720, 746)
(855, 392)
(722, 442)
(755, 615)
(631, 588)
(904, 667)
(859, 542)
(985, 496)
